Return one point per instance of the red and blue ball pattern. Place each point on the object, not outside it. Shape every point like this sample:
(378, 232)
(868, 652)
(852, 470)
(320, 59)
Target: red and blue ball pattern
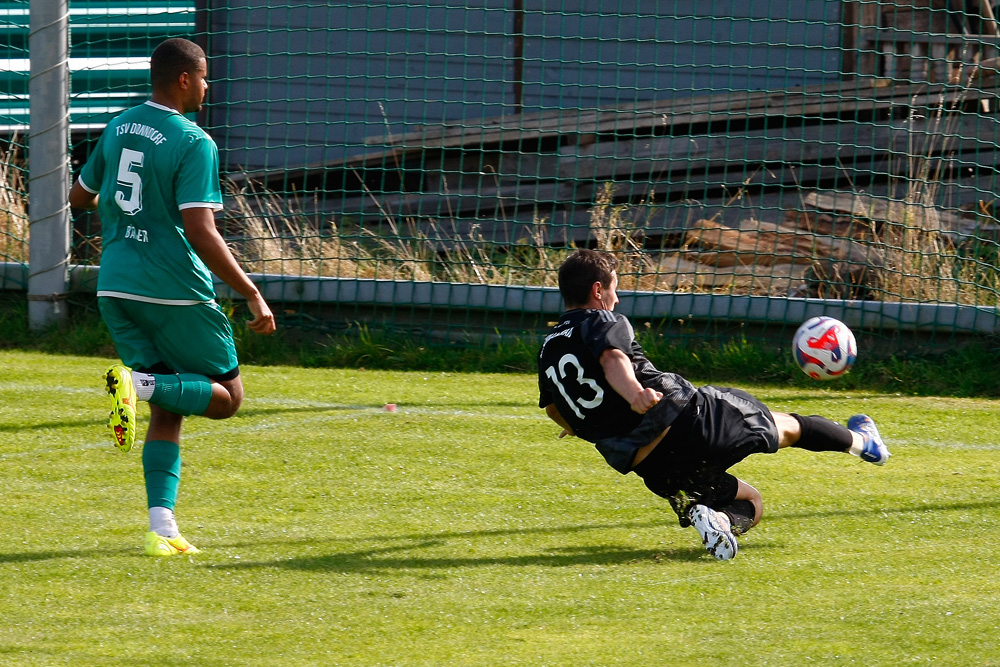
(824, 348)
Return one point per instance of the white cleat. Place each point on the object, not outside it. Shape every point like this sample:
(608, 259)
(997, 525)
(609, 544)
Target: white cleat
(715, 531)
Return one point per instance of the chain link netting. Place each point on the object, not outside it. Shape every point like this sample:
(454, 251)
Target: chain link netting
(426, 166)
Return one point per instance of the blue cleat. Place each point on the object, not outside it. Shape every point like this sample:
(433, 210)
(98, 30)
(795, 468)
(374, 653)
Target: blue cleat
(874, 450)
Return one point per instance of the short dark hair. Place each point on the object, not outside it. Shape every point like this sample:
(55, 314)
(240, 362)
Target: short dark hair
(579, 273)
(172, 58)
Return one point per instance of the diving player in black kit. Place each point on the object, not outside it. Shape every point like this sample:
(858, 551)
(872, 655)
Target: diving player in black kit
(596, 383)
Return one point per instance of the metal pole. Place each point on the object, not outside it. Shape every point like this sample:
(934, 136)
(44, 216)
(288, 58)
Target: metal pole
(518, 56)
(48, 166)
(202, 31)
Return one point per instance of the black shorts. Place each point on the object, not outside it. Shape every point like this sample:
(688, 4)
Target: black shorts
(161, 368)
(719, 428)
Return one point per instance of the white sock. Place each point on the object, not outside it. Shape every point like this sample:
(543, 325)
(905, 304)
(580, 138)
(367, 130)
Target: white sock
(162, 522)
(144, 385)
(857, 444)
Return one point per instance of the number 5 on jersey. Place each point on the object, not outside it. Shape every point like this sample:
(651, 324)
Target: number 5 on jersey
(581, 382)
(130, 179)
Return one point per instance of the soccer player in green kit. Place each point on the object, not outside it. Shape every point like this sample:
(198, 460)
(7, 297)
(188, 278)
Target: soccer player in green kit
(154, 179)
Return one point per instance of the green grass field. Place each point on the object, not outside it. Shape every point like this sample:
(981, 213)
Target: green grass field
(460, 531)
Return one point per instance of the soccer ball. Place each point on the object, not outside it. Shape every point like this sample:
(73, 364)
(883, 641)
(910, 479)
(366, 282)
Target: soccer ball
(824, 348)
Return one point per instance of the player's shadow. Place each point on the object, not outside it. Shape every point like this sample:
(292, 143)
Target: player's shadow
(813, 398)
(457, 405)
(284, 409)
(38, 556)
(492, 533)
(396, 552)
(437, 406)
(16, 428)
(399, 557)
(388, 559)
(869, 510)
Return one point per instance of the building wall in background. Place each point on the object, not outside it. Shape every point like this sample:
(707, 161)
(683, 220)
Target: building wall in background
(347, 74)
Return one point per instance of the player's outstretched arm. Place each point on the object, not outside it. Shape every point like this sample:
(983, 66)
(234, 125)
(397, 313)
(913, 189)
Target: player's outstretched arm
(199, 226)
(621, 376)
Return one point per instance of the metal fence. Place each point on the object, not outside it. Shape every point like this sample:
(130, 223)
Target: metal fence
(425, 166)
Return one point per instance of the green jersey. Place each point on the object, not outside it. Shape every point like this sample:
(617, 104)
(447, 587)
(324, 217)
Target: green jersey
(151, 163)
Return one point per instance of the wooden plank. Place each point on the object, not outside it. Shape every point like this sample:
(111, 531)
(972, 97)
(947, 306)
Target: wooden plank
(850, 16)
(556, 230)
(680, 272)
(472, 170)
(764, 244)
(640, 165)
(848, 96)
(487, 201)
(881, 209)
(735, 183)
(642, 115)
(654, 159)
(567, 121)
(796, 145)
(826, 224)
(730, 181)
(651, 227)
(955, 226)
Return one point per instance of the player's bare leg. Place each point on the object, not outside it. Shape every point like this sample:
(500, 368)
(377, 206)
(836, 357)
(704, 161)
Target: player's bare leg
(162, 465)
(749, 494)
(161, 462)
(227, 397)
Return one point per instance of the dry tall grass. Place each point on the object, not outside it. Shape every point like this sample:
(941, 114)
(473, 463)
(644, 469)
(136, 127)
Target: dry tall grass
(617, 230)
(13, 208)
(914, 256)
(919, 261)
(271, 234)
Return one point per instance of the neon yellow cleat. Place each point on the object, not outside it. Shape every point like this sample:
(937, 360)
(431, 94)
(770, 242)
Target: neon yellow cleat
(157, 545)
(122, 420)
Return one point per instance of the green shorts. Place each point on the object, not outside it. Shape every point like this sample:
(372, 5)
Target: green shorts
(154, 337)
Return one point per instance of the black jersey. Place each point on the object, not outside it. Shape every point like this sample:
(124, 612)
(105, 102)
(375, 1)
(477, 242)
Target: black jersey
(570, 375)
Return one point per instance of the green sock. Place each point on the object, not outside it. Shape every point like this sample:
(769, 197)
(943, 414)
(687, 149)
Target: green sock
(183, 394)
(161, 462)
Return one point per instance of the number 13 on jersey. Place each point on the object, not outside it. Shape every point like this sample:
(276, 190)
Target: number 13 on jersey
(578, 383)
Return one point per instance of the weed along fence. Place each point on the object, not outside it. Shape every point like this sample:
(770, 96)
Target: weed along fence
(426, 167)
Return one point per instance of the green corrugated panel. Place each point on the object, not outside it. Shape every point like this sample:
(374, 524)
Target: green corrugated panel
(110, 46)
